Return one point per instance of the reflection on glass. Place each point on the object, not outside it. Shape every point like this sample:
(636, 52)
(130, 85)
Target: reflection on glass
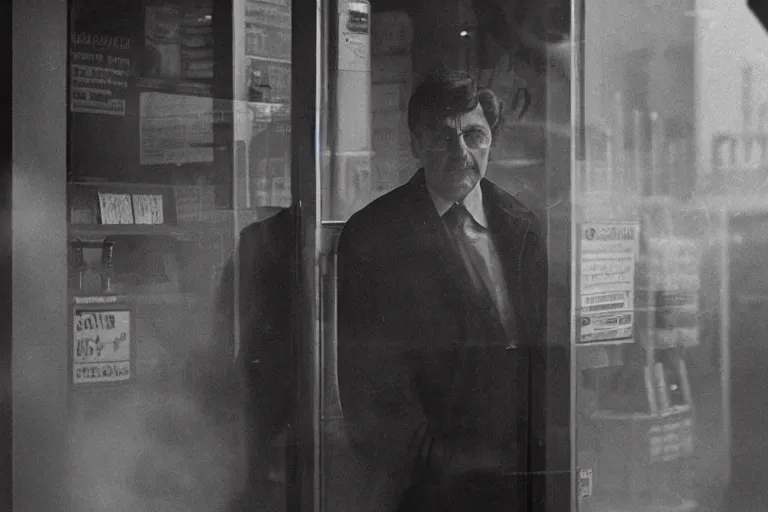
(181, 213)
(674, 145)
(180, 218)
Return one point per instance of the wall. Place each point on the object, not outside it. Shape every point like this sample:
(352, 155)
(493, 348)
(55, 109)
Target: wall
(39, 255)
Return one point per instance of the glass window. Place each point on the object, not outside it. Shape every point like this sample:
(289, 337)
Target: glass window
(182, 253)
(666, 219)
(463, 255)
(445, 385)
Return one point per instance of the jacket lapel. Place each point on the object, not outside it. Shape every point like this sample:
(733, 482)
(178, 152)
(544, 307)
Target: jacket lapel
(452, 278)
(510, 229)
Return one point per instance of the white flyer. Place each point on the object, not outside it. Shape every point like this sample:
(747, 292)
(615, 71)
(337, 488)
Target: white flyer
(101, 350)
(175, 129)
(607, 260)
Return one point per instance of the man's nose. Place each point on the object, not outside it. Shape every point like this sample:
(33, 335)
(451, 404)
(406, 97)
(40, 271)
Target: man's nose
(457, 147)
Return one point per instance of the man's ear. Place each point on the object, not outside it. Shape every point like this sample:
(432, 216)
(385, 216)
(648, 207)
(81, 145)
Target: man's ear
(416, 146)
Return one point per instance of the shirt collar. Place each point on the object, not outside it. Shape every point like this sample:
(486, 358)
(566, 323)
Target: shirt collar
(473, 202)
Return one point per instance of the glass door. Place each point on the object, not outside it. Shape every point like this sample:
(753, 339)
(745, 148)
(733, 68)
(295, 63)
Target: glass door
(438, 392)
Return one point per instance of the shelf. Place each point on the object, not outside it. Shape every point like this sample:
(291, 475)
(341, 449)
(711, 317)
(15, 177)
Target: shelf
(139, 299)
(269, 59)
(97, 232)
(642, 416)
(112, 185)
(176, 85)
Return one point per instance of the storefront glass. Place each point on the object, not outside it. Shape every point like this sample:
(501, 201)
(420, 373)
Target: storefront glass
(429, 401)
(668, 112)
(273, 302)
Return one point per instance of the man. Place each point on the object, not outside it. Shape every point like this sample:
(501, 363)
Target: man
(442, 311)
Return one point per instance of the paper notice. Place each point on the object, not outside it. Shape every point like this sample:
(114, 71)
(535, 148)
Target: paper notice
(148, 209)
(115, 208)
(100, 68)
(175, 129)
(101, 349)
(608, 255)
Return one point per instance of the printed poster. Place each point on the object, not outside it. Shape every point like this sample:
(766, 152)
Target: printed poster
(100, 66)
(354, 36)
(101, 351)
(607, 257)
(175, 129)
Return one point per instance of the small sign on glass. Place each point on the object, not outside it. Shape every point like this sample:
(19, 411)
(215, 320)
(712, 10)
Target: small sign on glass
(102, 345)
(115, 208)
(148, 208)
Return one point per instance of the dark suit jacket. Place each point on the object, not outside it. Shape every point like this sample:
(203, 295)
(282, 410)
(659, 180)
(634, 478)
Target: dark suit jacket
(428, 382)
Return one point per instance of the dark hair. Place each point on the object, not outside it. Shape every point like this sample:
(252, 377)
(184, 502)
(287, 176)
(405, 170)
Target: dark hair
(448, 93)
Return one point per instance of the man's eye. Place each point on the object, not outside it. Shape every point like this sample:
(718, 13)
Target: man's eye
(475, 138)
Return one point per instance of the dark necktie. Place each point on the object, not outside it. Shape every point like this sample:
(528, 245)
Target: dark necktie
(461, 226)
(474, 245)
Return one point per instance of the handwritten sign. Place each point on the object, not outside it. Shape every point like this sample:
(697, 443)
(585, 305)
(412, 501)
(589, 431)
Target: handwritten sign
(115, 208)
(101, 351)
(100, 69)
(148, 209)
(608, 254)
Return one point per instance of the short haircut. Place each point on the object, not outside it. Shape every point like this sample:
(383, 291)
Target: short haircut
(448, 93)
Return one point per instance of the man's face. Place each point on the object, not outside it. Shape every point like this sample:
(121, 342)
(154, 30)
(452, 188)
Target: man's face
(454, 153)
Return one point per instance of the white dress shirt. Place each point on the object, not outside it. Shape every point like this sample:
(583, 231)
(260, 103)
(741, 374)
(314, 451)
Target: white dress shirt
(484, 253)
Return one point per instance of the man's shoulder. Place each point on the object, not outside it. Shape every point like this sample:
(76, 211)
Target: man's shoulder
(381, 214)
(280, 223)
(513, 204)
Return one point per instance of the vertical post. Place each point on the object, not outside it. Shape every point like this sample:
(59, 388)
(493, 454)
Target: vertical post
(307, 132)
(578, 154)
(610, 161)
(725, 345)
(638, 151)
(619, 148)
(746, 98)
(39, 246)
(657, 140)
(6, 269)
